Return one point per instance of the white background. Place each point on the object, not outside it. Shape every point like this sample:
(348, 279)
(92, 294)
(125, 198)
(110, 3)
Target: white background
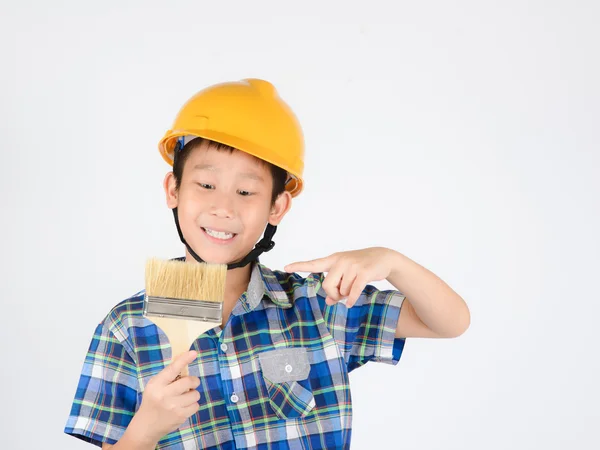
(463, 134)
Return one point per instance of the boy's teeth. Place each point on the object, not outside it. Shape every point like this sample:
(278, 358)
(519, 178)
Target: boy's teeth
(218, 234)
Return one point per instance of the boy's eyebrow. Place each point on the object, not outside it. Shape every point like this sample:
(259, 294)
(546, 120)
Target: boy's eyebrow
(252, 176)
(204, 167)
(249, 175)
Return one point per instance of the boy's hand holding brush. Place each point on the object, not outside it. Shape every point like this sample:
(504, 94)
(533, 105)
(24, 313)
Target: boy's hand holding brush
(184, 300)
(167, 402)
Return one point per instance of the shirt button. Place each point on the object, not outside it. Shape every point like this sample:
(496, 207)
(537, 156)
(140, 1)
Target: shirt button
(224, 347)
(288, 368)
(234, 398)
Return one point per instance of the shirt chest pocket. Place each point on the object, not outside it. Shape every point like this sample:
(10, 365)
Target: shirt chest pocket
(285, 372)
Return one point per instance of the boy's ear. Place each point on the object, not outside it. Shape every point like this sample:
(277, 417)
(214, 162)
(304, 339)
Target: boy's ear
(170, 190)
(282, 205)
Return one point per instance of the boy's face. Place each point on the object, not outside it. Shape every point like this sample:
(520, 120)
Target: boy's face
(224, 202)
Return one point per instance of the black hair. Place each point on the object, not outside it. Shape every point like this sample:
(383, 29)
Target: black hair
(278, 174)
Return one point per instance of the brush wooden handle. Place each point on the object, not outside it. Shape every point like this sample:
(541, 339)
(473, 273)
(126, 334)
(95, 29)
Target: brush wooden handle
(181, 334)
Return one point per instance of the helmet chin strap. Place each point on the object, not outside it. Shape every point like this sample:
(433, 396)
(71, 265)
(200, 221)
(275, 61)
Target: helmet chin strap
(264, 245)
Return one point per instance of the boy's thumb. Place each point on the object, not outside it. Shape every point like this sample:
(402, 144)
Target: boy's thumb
(172, 371)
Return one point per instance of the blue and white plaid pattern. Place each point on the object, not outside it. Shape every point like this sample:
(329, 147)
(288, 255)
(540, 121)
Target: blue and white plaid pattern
(251, 396)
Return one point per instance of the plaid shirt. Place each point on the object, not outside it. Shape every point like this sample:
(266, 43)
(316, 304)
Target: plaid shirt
(275, 377)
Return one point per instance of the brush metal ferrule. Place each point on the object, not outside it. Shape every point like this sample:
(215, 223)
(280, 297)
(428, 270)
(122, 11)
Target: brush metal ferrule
(179, 308)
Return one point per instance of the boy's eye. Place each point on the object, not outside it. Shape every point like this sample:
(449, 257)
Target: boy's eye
(244, 193)
(206, 186)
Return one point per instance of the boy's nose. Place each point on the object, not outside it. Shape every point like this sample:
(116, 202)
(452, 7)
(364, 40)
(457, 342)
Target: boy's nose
(222, 206)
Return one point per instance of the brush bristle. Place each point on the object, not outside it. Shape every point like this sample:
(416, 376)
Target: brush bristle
(190, 281)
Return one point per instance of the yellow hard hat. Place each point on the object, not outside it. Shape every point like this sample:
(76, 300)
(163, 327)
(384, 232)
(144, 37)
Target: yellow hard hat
(247, 115)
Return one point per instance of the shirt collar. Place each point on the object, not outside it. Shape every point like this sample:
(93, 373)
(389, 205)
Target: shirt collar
(263, 283)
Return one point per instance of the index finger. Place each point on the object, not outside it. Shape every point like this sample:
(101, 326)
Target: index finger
(172, 371)
(315, 265)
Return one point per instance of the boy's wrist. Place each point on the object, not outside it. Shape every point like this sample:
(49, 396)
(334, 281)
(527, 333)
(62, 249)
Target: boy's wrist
(138, 437)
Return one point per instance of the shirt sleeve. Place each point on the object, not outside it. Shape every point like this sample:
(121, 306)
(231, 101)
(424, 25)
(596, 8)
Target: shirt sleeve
(107, 393)
(366, 332)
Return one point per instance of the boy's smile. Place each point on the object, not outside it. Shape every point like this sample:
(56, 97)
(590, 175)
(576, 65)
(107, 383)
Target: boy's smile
(219, 236)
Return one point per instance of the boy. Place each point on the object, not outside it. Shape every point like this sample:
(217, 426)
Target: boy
(274, 375)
